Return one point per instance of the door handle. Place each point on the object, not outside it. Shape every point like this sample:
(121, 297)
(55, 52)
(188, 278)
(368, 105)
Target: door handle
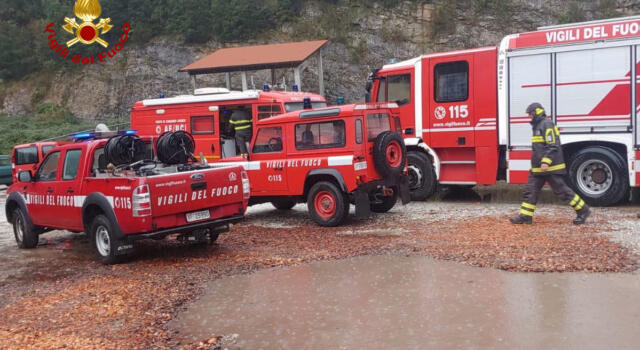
(49, 190)
(213, 148)
(278, 168)
(70, 190)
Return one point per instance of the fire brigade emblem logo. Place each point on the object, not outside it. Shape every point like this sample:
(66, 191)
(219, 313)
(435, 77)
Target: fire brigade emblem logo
(87, 32)
(233, 177)
(440, 113)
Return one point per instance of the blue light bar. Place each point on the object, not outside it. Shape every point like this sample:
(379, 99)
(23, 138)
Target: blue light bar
(130, 132)
(295, 87)
(266, 87)
(83, 136)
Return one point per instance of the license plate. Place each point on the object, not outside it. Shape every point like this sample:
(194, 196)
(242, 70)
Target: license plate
(198, 216)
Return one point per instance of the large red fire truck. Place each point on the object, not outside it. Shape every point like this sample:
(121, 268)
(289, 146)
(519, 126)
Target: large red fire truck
(464, 111)
(206, 114)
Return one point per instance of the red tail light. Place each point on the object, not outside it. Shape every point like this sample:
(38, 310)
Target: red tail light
(141, 201)
(246, 188)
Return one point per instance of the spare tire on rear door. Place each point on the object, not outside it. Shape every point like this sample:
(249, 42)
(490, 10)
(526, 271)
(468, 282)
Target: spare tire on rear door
(389, 154)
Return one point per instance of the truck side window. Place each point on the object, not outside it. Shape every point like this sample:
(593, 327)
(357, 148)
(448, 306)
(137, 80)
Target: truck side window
(376, 124)
(46, 149)
(358, 131)
(268, 111)
(202, 125)
(71, 162)
(268, 140)
(49, 168)
(26, 155)
(382, 90)
(320, 135)
(451, 81)
(399, 87)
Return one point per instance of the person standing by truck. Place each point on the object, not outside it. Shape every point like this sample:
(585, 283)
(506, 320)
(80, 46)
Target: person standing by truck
(241, 121)
(547, 165)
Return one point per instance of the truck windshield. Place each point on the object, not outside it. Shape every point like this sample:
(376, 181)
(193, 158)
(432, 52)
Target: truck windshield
(296, 106)
(26, 155)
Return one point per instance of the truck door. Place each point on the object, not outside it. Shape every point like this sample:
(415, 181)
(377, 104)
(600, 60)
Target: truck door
(68, 189)
(451, 116)
(267, 169)
(41, 194)
(203, 129)
(398, 87)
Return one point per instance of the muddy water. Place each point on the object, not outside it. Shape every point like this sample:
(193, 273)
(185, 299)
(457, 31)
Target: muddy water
(400, 302)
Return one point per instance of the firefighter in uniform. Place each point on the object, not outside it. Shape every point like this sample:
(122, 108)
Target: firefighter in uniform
(241, 121)
(547, 165)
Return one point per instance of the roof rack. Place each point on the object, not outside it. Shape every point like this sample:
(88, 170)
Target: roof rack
(602, 21)
(332, 112)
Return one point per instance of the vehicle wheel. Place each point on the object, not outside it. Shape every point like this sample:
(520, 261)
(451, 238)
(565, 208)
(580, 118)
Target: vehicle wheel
(327, 204)
(104, 240)
(599, 175)
(384, 204)
(283, 203)
(422, 178)
(389, 154)
(26, 235)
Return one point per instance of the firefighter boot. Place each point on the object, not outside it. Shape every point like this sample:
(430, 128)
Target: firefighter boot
(521, 219)
(583, 214)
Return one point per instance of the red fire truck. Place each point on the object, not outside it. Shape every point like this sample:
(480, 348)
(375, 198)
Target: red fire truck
(206, 113)
(464, 111)
(86, 186)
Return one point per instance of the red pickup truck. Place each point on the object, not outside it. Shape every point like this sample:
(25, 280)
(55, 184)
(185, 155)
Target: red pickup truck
(75, 189)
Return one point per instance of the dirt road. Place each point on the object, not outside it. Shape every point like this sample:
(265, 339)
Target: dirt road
(57, 295)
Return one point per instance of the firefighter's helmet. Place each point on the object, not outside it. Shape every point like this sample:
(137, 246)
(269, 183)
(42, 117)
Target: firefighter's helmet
(535, 109)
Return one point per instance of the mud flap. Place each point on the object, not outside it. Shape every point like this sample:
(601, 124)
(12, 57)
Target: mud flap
(403, 187)
(363, 206)
(124, 247)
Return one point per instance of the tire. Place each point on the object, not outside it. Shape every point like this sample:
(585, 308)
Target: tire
(327, 204)
(283, 203)
(422, 177)
(25, 234)
(389, 154)
(103, 240)
(599, 175)
(386, 203)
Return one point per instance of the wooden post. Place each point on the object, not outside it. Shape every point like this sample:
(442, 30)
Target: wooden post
(244, 81)
(273, 77)
(320, 73)
(296, 77)
(193, 82)
(228, 78)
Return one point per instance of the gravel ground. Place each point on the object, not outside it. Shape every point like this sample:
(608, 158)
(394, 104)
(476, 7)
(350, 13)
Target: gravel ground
(57, 296)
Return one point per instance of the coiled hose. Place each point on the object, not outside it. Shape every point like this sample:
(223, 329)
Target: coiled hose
(124, 149)
(176, 147)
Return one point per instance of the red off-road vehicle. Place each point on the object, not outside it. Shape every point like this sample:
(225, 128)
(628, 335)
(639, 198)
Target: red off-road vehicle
(329, 158)
(111, 190)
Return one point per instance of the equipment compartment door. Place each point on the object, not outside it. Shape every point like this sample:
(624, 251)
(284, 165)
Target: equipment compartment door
(203, 128)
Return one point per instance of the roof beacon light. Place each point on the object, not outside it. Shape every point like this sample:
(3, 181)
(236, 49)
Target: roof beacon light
(392, 61)
(266, 88)
(340, 100)
(130, 132)
(306, 103)
(83, 136)
(295, 87)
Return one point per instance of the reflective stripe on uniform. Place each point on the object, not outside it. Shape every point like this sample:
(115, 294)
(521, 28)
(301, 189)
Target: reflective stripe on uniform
(551, 168)
(537, 139)
(546, 160)
(580, 205)
(242, 127)
(244, 121)
(528, 206)
(574, 201)
(550, 136)
(526, 212)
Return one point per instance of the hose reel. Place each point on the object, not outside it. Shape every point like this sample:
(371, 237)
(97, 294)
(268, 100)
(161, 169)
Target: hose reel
(176, 147)
(124, 149)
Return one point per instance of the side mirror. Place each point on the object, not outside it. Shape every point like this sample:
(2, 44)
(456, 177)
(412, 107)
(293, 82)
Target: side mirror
(25, 176)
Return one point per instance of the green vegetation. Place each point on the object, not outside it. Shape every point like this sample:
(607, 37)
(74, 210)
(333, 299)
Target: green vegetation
(24, 43)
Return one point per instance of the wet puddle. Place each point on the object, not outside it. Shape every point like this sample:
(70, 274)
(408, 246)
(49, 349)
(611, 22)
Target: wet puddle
(383, 302)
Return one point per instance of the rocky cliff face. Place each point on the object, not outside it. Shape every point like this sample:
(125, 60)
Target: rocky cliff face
(362, 38)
